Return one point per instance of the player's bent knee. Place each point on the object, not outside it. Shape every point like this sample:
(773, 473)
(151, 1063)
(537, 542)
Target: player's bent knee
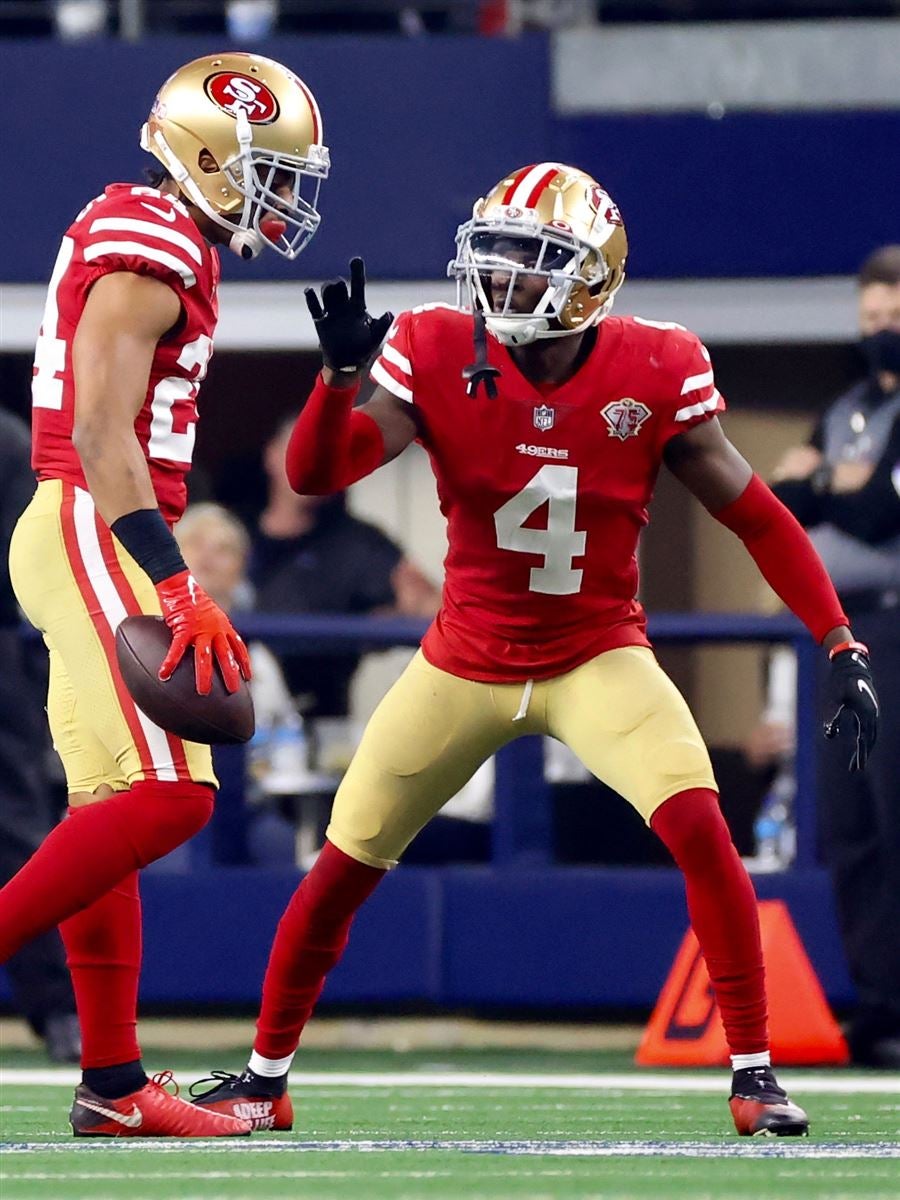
(692, 826)
(683, 759)
(374, 818)
(366, 851)
(363, 825)
(676, 765)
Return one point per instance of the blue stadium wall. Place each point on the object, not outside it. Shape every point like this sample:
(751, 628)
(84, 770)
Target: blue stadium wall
(549, 938)
(420, 127)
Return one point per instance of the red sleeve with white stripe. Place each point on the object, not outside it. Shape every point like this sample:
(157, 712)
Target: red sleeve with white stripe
(393, 368)
(149, 234)
(694, 395)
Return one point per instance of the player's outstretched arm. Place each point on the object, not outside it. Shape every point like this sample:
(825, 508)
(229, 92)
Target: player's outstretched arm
(709, 466)
(124, 317)
(333, 445)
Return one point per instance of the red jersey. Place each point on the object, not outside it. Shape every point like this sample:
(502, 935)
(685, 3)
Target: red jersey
(545, 490)
(136, 229)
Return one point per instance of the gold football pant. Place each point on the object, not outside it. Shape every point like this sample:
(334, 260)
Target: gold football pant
(619, 712)
(75, 583)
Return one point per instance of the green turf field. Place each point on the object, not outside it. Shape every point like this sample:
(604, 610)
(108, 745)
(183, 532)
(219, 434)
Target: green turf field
(465, 1125)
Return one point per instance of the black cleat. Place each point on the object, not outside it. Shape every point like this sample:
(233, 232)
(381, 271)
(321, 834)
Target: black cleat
(247, 1098)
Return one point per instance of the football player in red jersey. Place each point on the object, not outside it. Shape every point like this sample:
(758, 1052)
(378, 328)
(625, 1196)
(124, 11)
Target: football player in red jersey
(546, 450)
(126, 336)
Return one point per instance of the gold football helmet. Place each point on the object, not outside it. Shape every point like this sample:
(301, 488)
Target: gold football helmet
(548, 220)
(261, 126)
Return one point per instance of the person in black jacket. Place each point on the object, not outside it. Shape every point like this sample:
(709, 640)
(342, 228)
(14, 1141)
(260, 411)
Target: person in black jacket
(844, 486)
(311, 555)
(40, 983)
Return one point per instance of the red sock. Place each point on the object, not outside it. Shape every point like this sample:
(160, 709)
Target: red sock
(103, 953)
(722, 908)
(311, 938)
(80, 860)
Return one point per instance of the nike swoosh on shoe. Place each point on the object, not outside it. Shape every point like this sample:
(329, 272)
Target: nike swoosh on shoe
(131, 1120)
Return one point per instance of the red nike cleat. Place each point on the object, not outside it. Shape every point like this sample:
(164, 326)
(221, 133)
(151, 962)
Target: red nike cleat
(760, 1107)
(236, 1096)
(149, 1112)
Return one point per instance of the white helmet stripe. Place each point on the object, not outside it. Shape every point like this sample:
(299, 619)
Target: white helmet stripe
(522, 193)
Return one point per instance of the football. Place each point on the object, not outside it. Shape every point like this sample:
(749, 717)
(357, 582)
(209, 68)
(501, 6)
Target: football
(222, 717)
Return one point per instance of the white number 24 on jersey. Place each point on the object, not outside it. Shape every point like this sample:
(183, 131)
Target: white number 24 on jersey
(50, 362)
(164, 442)
(559, 542)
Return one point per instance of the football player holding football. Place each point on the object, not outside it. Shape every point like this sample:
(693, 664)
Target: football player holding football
(546, 449)
(126, 336)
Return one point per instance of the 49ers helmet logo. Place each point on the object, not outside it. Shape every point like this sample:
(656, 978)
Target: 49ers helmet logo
(235, 93)
(605, 206)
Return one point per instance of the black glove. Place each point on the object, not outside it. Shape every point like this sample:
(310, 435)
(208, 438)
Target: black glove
(853, 690)
(347, 334)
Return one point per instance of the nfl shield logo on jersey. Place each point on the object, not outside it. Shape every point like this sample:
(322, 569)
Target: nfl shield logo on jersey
(544, 417)
(625, 417)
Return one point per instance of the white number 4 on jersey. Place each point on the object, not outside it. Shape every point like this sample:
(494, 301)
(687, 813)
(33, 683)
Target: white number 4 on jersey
(559, 542)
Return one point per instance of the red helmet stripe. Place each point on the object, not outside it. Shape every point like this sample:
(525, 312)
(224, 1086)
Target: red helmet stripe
(313, 108)
(517, 179)
(539, 187)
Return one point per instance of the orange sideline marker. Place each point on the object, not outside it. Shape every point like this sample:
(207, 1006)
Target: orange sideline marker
(685, 1029)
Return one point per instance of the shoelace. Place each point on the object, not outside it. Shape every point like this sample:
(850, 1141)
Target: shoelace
(162, 1079)
(217, 1078)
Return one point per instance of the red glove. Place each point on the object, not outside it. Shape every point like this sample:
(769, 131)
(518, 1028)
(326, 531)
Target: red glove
(196, 620)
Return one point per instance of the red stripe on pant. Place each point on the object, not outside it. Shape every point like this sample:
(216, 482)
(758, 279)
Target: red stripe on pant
(133, 608)
(103, 628)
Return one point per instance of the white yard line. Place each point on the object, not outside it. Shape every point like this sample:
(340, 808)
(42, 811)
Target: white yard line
(790, 1148)
(676, 1081)
(183, 1175)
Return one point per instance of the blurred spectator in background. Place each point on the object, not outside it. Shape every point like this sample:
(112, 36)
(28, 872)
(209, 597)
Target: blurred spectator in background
(248, 822)
(770, 751)
(250, 20)
(42, 990)
(74, 19)
(772, 740)
(216, 547)
(511, 17)
(311, 556)
(844, 485)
